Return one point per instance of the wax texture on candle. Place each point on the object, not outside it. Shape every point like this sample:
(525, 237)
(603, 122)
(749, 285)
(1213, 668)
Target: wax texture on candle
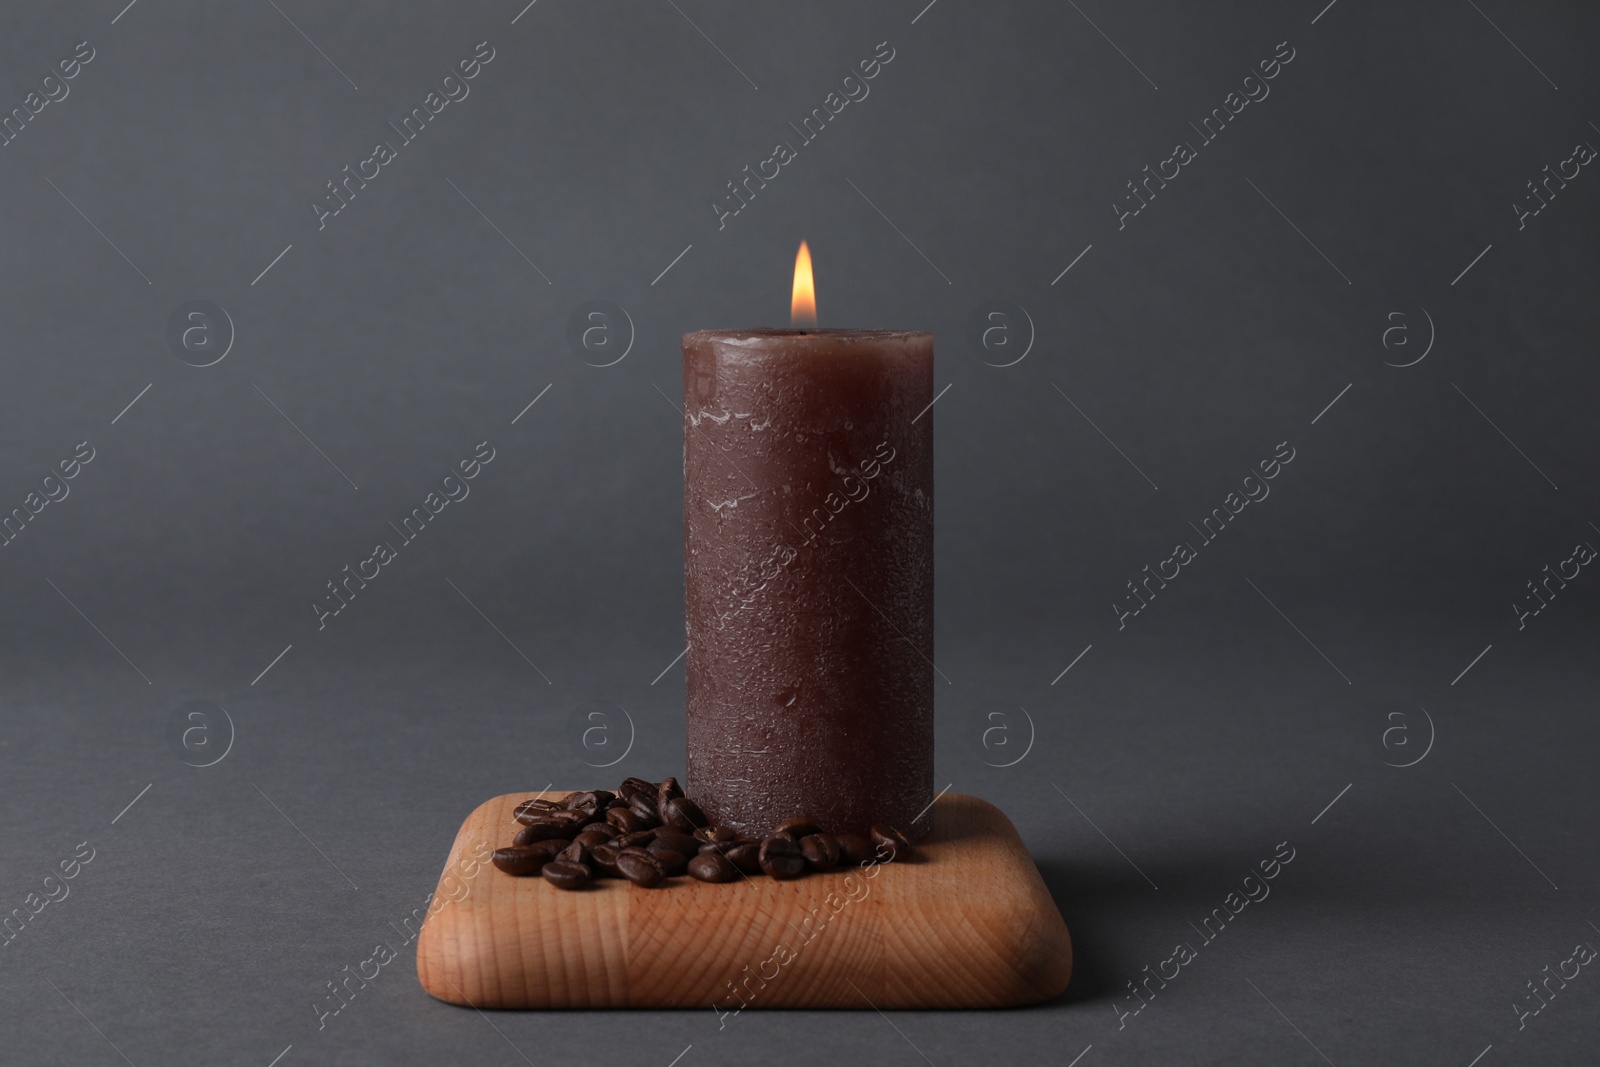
(808, 552)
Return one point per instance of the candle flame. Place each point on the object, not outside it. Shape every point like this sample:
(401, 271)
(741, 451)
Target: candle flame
(803, 304)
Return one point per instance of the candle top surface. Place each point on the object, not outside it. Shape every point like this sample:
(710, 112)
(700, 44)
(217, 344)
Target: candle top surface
(759, 334)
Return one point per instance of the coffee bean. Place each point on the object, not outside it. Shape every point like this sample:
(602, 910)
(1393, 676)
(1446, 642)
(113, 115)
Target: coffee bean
(565, 875)
(519, 861)
(629, 821)
(797, 828)
(672, 863)
(745, 855)
(640, 868)
(636, 840)
(544, 830)
(631, 787)
(821, 851)
(780, 857)
(712, 866)
(574, 853)
(533, 810)
(681, 813)
(588, 840)
(558, 817)
(854, 848)
(551, 847)
(603, 858)
(717, 833)
(596, 833)
(891, 841)
(644, 805)
(669, 790)
(582, 799)
(675, 841)
(564, 824)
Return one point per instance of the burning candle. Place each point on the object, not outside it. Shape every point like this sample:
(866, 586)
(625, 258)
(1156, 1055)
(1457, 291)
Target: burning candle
(808, 559)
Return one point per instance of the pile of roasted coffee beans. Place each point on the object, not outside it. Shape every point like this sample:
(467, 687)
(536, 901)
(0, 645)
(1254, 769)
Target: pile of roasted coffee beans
(647, 832)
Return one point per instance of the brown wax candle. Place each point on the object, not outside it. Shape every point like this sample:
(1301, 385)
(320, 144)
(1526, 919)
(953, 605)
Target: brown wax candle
(808, 558)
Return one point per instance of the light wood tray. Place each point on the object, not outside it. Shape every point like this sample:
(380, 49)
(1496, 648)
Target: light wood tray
(966, 923)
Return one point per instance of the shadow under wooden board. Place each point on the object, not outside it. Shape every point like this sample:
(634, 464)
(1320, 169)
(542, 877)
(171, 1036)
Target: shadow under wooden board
(966, 923)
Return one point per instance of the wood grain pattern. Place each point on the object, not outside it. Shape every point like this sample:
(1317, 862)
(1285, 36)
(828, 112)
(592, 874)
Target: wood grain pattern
(968, 923)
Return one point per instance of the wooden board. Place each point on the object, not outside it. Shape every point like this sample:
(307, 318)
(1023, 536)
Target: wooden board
(967, 923)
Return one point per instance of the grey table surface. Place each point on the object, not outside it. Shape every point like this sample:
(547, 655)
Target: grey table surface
(1380, 259)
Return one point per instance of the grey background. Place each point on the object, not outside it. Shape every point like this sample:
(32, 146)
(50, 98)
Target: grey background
(1208, 330)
